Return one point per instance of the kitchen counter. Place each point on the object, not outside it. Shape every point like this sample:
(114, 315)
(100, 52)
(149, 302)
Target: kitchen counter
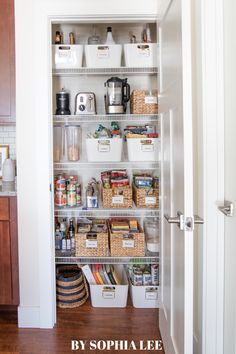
(7, 189)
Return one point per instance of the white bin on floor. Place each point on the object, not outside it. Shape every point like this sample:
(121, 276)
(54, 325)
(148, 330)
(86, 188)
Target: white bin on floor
(140, 55)
(145, 296)
(67, 56)
(143, 149)
(111, 295)
(103, 56)
(104, 150)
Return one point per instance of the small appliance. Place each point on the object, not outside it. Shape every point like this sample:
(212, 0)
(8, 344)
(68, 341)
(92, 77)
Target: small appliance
(85, 103)
(63, 103)
(117, 96)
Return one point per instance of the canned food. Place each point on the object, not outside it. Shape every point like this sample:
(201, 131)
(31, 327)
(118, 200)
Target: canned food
(138, 277)
(147, 278)
(71, 195)
(60, 183)
(78, 193)
(60, 198)
(155, 274)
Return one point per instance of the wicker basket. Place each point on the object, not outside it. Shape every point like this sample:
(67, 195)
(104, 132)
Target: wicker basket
(117, 198)
(72, 289)
(123, 244)
(138, 105)
(92, 244)
(145, 199)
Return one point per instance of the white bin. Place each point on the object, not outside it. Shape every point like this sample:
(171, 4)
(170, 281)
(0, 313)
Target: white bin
(104, 150)
(140, 55)
(103, 56)
(111, 295)
(143, 149)
(67, 56)
(145, 296)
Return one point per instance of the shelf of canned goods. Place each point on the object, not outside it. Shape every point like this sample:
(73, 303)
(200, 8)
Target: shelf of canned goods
(60, 259)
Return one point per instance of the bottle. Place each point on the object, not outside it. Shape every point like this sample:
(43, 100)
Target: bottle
(71, 235)
(63, 235)
(72, 38)
(58, 37)
(148, 34)
(110, 39)
(57, 239)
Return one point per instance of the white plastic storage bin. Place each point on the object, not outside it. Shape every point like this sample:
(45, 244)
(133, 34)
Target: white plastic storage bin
(143, 149)
(67, 56)
(140, 55)
(103, 56)
(111, 295)
(145, 296)
(104, 150)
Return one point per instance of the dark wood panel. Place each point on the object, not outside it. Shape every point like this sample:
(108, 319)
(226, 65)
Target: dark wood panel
(7, 61)
(83, 323)
(14, 251)
(5, 264)
(4, 208)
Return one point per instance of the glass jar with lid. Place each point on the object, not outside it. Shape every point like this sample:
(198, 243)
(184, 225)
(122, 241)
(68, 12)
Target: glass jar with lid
(151, 229)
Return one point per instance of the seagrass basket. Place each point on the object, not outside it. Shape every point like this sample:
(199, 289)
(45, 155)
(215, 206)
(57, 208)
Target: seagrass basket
(118, 197)
(146, 198)
(71, 287)
(140, 105)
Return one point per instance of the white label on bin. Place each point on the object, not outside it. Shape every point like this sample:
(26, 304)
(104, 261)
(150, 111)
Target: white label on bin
(150, 100)
(147, 147)
(103, 52)
(150, 200)
(104, 146)
(143, 50)
(118, 199)
(128, 243)
(151, 294)
(108, 294)
(91, 244)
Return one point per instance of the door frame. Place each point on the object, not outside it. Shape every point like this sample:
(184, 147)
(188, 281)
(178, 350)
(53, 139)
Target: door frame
(211, 187)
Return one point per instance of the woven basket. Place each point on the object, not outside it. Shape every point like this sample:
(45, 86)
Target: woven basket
(144, 198)
(138, 105)
(91, 244)
(72, 289)
(118, 197)
(121, 244)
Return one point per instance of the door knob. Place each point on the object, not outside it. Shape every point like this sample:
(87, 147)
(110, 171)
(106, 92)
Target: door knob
(227, 209)
(184, 223)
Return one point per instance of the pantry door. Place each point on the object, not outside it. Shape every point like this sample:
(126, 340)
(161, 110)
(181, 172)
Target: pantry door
(176, 282)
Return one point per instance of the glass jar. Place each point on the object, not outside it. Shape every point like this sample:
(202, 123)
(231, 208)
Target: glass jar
(73, 136)
(57, 143)
(151, 229)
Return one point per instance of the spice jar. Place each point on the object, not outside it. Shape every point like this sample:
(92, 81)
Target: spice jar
(73, 136)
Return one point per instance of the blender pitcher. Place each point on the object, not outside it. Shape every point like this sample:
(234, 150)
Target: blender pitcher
(118, 94)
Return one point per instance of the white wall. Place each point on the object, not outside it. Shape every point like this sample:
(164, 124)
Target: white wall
(33, 92)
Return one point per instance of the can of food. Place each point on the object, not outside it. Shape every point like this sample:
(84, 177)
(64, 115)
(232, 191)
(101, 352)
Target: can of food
(147, 278)
(71, 195)
(138, 277)
(60, 183)
(155, 274)
(78, 193)
(60, 198)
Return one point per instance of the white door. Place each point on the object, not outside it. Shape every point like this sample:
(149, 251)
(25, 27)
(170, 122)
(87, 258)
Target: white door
(229, 177)
(176, 313)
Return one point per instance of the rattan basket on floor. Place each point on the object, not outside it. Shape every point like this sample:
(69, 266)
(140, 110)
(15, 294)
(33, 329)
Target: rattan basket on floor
(71, 287)
(145, 198)
(118, 197)
(138, 104)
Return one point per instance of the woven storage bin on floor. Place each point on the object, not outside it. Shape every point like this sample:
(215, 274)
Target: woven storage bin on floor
(92, 245)
(121, 244)
(117, 198)
(138, 105)
(71, 287)
(143, 199)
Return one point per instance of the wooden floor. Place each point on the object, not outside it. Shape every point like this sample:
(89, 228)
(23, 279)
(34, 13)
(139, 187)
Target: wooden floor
(84, 323)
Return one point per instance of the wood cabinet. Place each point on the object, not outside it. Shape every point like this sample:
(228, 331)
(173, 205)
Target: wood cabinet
(9, 280)
(7, 62)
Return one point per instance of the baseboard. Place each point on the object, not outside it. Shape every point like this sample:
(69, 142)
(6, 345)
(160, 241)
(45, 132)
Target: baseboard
(28, 317)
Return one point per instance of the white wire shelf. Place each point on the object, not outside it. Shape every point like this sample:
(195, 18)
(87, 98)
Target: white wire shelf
(98, 118)
(63, 259)
(70, 166)
(105, 71)
(105, 213)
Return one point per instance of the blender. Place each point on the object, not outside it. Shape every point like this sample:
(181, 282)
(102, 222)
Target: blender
(117, 96)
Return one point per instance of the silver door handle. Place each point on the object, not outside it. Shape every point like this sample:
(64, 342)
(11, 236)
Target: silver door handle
(227, 209)
(184, 223)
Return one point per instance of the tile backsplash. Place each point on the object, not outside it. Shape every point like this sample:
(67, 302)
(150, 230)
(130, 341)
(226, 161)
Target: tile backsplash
(8, 137)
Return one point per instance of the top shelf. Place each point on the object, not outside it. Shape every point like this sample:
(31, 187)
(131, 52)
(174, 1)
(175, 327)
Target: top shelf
(105, 71)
